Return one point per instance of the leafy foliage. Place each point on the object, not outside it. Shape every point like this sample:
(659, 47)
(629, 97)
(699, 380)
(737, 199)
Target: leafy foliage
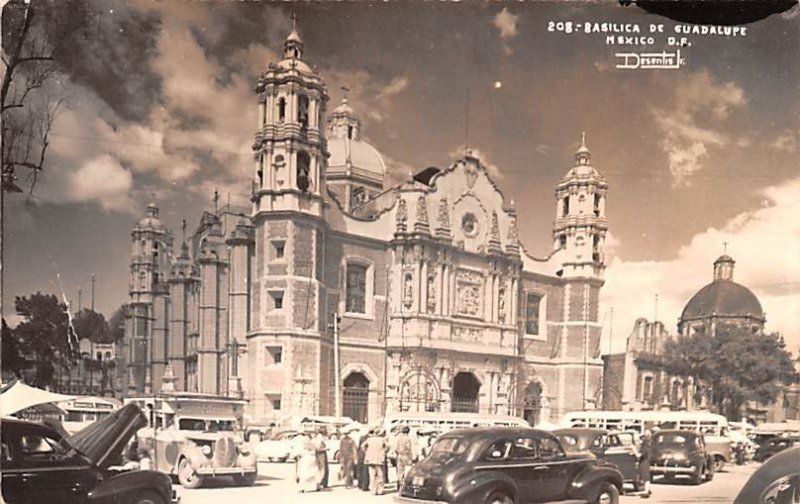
(732, 366)
(44, 336)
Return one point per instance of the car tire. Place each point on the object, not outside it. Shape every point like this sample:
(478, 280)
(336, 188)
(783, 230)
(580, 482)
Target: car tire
(499, 497)
(248, 479)
(148, 497)
(719, 464)
(710, 474)
(187, 476)
(607, 494)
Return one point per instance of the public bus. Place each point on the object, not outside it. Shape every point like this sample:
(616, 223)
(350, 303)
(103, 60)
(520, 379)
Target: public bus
(443, 422)
(714, 427)
(82, 411)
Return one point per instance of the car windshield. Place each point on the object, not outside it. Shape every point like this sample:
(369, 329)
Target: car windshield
(450, 445)
(670, 440)
(205, 425)
(569, 442)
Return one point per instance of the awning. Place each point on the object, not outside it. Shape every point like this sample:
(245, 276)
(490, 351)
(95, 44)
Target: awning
(16, 396)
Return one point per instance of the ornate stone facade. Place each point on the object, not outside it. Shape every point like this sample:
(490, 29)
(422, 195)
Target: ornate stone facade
(441, 306)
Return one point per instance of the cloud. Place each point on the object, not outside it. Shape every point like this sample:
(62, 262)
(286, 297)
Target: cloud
(397, 85)
(506, 23)
(105, 181)
(786, 141)
(691, 124)
(763, 243)
(494, 171)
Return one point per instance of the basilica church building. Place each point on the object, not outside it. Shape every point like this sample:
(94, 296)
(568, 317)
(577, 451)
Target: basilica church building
(332, 293)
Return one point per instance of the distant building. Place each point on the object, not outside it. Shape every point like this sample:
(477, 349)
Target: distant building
(441, 307)
(636, 379)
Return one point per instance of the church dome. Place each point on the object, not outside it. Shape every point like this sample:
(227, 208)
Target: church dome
(723, 297)
(361, 156)
(151, 220)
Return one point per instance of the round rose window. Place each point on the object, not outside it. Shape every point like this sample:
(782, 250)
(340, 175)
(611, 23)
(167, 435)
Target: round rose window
(469, 224)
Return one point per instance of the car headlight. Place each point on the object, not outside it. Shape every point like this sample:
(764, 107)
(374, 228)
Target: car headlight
(206, 450)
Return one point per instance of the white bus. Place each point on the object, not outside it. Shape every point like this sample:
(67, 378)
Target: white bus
(82, 411)
(443, 422)
(714, 427)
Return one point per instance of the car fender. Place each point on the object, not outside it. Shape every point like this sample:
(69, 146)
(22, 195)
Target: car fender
(120, 487)
(469, 487)
(587, 483)
(721, 454)
(195, 456)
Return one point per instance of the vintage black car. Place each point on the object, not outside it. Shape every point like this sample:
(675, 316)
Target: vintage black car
(39, 465)
(777, 481)
(605, 445)
(775, 445)
(508, 465)
(681, 453)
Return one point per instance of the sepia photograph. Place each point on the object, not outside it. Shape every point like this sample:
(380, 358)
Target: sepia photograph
(412, 252)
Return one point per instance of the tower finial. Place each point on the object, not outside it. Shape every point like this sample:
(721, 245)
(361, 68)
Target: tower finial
(346, 91)
(294, 20)
(583, 139)
(216, 200)
(725, 248)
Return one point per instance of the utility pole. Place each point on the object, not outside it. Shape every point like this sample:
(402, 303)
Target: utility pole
(337, 384)
(91, 349)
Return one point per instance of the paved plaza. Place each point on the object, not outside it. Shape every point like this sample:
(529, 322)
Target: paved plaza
(276, 485)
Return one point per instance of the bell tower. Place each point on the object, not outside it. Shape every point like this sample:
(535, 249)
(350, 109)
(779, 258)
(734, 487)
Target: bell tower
(290, 150)
(580, 227)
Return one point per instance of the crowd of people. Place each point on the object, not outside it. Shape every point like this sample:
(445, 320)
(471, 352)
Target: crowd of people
(363, 459)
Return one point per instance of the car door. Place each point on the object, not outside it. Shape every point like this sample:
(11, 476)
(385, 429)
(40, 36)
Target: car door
(54, 475)
(622, 456)
(15, 488)
(551, 470)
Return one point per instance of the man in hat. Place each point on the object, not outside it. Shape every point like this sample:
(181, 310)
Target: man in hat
(347, 458)
(375, 459)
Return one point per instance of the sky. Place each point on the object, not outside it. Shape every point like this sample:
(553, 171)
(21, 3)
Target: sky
(159, 106)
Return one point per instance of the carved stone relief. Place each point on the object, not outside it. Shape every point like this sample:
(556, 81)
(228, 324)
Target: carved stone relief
(469, 286)
(408, 290)
(431, 303)
(467, 334)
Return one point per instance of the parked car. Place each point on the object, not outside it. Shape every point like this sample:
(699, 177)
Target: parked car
(508, 465)
(681, 453)
(777, 481)
(609, 446)
(775, 445)
(277, 448)
(197, 437)
(39, 465)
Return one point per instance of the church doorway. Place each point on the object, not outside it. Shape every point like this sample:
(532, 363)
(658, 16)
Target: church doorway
(465, 393)
(532, 403)
(355, 402)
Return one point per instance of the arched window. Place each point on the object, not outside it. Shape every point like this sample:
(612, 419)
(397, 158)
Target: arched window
(282, 109)
(142, 280)
(302, 111)
(303, 170)
(355, 400)
(566, 206)
(465, 393)
(350, 132)
(356, 288)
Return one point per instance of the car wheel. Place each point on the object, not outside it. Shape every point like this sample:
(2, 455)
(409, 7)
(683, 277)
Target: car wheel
(719, 464)
(187, 476)
(499, 497)
(608, 494)
(148, 497)
(710, 475)
(248, 479)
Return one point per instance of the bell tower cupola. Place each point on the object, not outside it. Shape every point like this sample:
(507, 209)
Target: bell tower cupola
(580, 228)
(290, 150)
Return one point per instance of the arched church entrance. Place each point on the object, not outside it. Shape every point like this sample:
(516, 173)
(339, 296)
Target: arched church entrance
(355, 403)
(419, 392)
(465, 393)
(532, 403)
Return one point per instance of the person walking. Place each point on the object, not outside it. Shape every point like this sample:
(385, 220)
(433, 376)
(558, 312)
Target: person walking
(348, 454)
(375, 459)
(307, 470)
(362, 472)
(404, 449)
(321, 449)
(644, 463)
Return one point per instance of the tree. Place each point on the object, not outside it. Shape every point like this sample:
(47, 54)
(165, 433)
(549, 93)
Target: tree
(732, 366)
(13, 361)
(45, 336)
(90, 325)
(116, 325)
(29, 54)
